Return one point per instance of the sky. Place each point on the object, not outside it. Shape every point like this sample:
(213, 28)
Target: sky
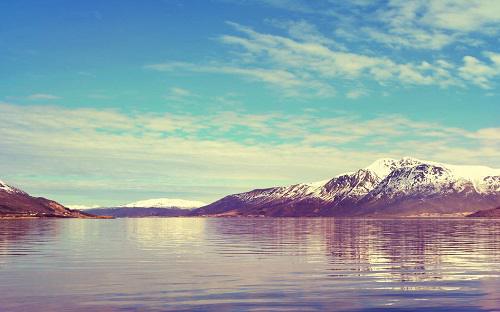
(108, 102)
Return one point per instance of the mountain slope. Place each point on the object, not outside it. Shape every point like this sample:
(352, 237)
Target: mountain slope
(388, 187)
(17, 203)
(426, 188)
(490, 213)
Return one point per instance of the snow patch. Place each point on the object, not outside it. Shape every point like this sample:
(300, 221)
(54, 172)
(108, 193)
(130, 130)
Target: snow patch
(404, 175)
(475, 174)
(9, 189)
(82, 207)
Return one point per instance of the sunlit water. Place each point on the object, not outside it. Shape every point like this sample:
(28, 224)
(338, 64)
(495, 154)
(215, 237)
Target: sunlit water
(199, 264)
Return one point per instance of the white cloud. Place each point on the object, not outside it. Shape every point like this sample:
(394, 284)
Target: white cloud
(289, 83)
(304, 31)
(410, 37)
(478, 72)
(43, 96)
(427, 24)
(416, 24)
(311, 68)
(177, 94)
(356, 93)
(462, 15)
(99, 96)
(179, 91)
(317, 59)
(291, 5)
(490, 134)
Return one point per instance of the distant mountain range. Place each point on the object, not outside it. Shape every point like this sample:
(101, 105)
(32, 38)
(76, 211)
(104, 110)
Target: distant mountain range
(17, 204)
(158, 207)
(139, 212)
(388, 187)
(165, 203)
(405, 187)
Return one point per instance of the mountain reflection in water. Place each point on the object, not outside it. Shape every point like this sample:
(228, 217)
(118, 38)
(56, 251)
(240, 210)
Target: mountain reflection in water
(241, 264)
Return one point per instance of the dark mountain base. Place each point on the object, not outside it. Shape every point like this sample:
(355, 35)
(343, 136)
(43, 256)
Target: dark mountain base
(490, 213)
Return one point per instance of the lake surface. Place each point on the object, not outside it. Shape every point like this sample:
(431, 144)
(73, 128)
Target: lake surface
(200, 264)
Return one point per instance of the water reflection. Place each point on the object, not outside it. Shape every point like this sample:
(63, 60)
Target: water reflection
(250, 265)
(21, 237)
(436, 261)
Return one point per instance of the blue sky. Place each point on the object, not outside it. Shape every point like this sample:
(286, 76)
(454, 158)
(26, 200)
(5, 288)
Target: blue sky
(105, 102)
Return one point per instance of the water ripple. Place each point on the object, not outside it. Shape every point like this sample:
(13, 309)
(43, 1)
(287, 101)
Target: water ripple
(200, 264)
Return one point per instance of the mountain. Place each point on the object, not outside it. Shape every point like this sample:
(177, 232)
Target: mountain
(16, 203)
(165, 203)
(158, 207)
(129, 212)
(490, 213)
(388, 187)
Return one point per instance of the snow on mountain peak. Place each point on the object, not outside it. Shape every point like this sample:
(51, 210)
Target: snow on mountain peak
(384, 166)
(387, 186)
(81, 207)
(482, 178)
(9, 189)
(475, 174)
(165, 203)
(4, 187)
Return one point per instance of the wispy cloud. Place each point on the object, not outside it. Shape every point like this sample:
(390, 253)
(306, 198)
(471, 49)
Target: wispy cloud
(401, 25)
(291, 5)
(43, 96)
(425, 24)
(178, 94)
(311, 68)
(479, 72)
(99, 96)
(305, 31)
(419, 24)
(288, 82)
(461, 15)
(356, 93)
(176, 91)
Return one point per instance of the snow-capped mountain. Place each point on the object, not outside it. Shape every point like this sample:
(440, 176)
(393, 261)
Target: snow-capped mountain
(407, 186)
(17, 203)
(157, 207)
(165, 203)
(81, 207)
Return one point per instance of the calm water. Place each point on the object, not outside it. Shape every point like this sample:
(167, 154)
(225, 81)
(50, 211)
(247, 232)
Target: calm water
(249, 265)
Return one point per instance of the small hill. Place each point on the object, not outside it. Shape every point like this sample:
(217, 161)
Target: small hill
(490, 213)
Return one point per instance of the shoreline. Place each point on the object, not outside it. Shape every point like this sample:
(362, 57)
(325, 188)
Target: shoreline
(24, 217)
(11, 217)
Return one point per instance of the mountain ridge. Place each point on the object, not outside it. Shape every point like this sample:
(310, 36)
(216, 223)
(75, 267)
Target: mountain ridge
(16, 203)
(387, 187)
